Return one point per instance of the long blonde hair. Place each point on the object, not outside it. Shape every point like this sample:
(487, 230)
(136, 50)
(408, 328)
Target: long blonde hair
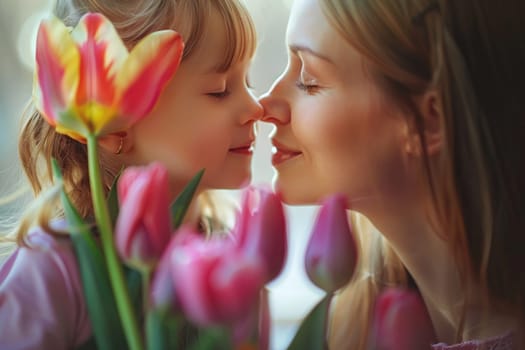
(471, 52)
(38, 141)
(378, 268)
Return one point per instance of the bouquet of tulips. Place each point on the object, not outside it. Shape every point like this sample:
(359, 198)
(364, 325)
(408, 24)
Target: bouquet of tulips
(149, 281)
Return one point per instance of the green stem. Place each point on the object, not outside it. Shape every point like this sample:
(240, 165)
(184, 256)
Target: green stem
(116, 274)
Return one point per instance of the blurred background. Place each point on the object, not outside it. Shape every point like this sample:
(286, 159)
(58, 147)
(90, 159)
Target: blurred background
(292, 295)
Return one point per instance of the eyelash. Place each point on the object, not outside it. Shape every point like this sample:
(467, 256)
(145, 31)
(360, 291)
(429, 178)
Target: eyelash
(309, 89)
(226, 92)
(220, 94)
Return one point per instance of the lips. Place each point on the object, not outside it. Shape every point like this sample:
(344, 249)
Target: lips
(244, 149)
(282, 153)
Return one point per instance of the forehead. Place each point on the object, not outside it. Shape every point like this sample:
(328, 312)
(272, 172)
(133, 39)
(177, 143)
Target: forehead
(226, 37)
(307, 23)
(309, 27)
(212, 44)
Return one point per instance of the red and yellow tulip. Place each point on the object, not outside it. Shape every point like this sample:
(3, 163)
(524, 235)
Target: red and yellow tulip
(88, 83)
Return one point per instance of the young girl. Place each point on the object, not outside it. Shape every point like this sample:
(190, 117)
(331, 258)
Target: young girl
(204, 119)
(414, 109)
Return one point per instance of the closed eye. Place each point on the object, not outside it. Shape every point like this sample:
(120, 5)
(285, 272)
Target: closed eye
(219, 94)
(310, 89)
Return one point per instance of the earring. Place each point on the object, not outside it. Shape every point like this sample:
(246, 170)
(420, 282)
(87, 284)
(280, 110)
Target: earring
(121, 144)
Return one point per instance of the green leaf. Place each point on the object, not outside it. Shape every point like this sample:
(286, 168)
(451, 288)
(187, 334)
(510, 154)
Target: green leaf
(312, 332)
(100, 300)
(134, 283)
(181, 204)
(213, 339)
(162, 330)
(168, 330)
(90, 344)
(113, 204)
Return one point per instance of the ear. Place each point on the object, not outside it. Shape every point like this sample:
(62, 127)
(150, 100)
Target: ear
(431, 111)
(116, 143)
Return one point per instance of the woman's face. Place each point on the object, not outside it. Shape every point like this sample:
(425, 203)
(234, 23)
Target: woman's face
(204, 119)
(334, 129)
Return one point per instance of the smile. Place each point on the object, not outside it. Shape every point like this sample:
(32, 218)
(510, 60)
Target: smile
(282, 153)
(243, 150)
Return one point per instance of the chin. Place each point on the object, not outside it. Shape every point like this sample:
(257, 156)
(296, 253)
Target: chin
(233, 182)
(293, 194)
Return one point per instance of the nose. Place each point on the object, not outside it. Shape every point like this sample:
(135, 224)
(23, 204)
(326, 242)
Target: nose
(275, 104)
(253, 111)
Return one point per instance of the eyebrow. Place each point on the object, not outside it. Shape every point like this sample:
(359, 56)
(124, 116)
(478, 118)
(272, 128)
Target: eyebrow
(299, 48)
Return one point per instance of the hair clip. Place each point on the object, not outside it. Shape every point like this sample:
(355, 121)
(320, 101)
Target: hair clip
(433, 6)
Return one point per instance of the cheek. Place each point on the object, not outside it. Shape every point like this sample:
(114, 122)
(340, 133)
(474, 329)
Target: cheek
(210, 146)
(332, 132)
(350, 147)
(183, 143)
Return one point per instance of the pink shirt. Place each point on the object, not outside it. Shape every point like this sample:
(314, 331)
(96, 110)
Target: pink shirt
(41, 300)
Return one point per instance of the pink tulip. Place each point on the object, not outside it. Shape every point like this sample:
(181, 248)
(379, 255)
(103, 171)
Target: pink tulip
(261, 229)
(401, 322)
(86, 81)
(143, 226)
(214, 282)
(331, 254)
(162, 291)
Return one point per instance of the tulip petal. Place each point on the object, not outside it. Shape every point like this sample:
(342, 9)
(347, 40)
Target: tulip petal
(190, 271)
(143, 194)
(157, 216)
(56, 74)
(86, 81)
(401, 321)
(102, 55)
(130, 214)
(331, 253)
(263, 233)
(237, 281)
(149, 67)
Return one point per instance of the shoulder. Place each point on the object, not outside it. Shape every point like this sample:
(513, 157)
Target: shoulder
(46, 255)
(40, 289)
(506, 341)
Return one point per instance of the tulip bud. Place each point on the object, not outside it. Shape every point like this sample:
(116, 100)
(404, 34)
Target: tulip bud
(163, 287)
(331, 254)
(214, 282)
(401, 322)
(143, 226)
(261, 230)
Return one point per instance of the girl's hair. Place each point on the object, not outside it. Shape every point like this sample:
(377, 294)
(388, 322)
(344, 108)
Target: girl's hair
(471, 53)
(133, 19)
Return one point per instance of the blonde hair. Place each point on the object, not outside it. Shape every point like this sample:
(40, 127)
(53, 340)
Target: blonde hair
(378, 267)
(472, 54)
(39, 143)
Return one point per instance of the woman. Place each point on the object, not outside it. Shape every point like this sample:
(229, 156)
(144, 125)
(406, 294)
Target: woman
(413, 110)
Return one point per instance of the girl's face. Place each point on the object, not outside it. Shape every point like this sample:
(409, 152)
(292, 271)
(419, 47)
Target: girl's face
(335, 131)
(204, 119)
